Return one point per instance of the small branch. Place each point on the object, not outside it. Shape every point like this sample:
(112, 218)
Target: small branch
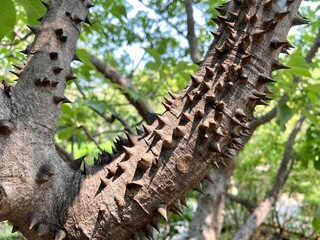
(244, 202)
(287, 232)
(91, 138)
(67, 157)
(314, 48)
(134, 68)
(156, 87)
(282, 174)
(127, 127)
(115, 77)
(261, 212)
(163, 18)
(191, 36)
(115, 115)
(264, 119)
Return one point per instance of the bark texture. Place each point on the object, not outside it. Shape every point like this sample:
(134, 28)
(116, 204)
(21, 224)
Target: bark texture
(123, 192)
(213, 193)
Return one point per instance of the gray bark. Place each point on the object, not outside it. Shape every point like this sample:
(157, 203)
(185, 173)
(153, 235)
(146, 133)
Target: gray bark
(204, 211)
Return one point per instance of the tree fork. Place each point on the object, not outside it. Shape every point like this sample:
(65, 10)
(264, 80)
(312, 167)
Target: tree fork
(149, 174)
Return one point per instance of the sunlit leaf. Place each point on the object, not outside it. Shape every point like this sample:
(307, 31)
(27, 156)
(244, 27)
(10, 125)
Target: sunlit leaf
(284, 114)
(34, 9)
(7, 17)
(99, 106)
(66, 133)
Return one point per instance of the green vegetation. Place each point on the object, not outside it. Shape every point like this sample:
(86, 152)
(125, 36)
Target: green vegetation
(143, 41)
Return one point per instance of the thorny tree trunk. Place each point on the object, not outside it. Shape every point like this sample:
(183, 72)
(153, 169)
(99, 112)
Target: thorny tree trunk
(207, 214)
(208, 220)
(47, 199)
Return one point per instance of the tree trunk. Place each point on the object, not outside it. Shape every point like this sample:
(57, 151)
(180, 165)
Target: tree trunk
(208, 219)
(47, 199)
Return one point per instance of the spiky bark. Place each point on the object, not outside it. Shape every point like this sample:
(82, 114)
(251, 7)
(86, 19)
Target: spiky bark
(46, 199)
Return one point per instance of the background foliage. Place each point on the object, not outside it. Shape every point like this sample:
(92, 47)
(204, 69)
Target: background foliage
(144, 40)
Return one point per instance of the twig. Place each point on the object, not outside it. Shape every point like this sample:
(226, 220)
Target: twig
(115, 77)
(115, 115)
(91, 138)
(67, 157)
(244, 202)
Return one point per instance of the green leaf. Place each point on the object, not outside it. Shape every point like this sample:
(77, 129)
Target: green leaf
(67, 110)
(97, 105)
(66, 133)
(284, 114)
(84, 56)
(153, 53)
(34, 10)
(119, 11)
(297, 61)
(7, 17)
(299, 71)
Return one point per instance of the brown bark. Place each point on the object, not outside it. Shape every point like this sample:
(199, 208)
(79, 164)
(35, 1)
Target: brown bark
(47, 199)
(204, 211)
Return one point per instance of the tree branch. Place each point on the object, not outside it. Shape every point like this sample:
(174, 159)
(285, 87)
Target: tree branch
(244, 202)
(67, 157)
(35, 169)
(264, 207)
(115, 77)
(166, 153)
(191, 36)
(314, 49)
(203, 211)
(124, 192)
(114, 116)
(91, 138)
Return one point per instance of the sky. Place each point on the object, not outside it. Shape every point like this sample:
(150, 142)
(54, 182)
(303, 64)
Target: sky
(136, 52)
